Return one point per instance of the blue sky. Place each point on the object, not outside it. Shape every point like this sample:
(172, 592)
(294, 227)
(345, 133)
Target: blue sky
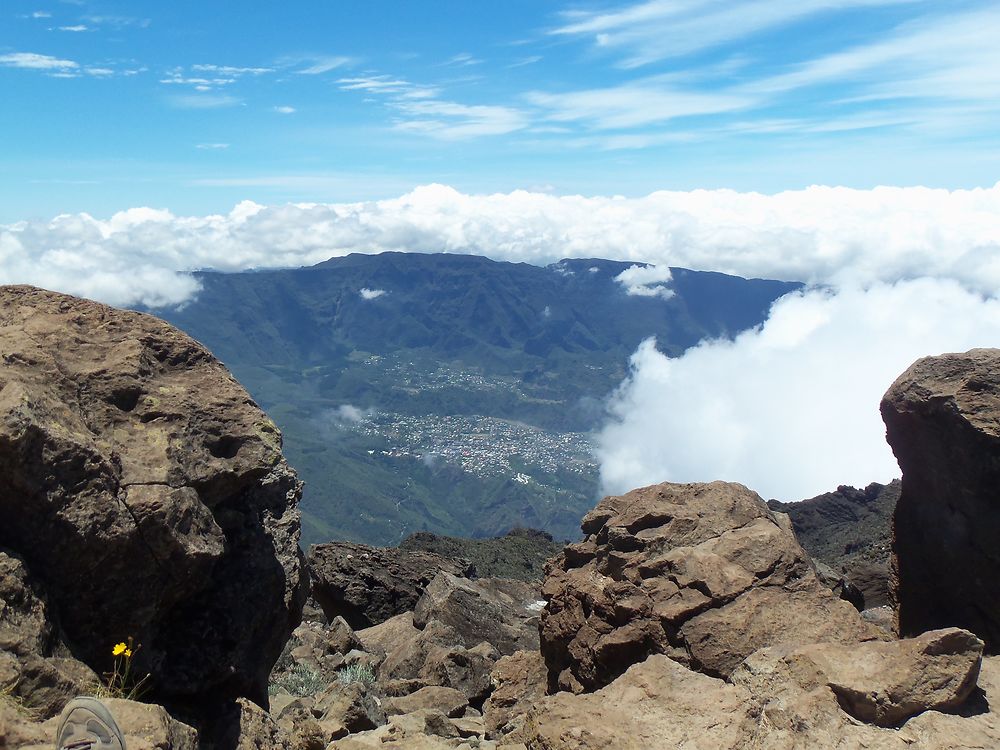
(193, 107)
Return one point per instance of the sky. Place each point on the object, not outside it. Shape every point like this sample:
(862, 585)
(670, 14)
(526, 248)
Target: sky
(193, 107)
(853, 145)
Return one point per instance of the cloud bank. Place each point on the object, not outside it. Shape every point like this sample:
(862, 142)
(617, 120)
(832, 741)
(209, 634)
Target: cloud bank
(820, 235)
(789, 409)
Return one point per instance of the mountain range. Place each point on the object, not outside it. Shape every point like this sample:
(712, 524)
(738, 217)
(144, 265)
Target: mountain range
(449, 393)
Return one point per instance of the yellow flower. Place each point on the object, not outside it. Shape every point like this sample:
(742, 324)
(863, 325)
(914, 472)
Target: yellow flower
(128, 653)
(119, 649)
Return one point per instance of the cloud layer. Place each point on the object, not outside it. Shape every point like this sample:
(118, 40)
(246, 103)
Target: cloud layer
(820, 235)
(790, 409)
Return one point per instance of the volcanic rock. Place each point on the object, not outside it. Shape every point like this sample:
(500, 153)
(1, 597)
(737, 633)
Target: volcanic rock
(146, 493)
(942, 420)
(502, 612)
(879, 683)
(368, 585)
(701, 572)
(519, 682)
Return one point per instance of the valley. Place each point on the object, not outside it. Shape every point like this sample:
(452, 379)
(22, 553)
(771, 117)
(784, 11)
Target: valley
(449, 393)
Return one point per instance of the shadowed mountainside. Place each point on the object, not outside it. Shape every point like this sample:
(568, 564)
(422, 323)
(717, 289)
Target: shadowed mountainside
(359, 358)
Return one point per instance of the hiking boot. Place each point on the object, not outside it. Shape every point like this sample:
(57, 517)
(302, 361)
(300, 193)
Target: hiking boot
(86, 724)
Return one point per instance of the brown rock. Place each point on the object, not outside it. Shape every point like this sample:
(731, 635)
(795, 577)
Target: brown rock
(150, 727)
(464, 669)
(879, 683)
(447, 700)
(661, 704)
(352, 705)
(146, 493)
(701, 572)
(657, 703)
(500, 611)
(368, 585)
(942, 420)
(519, 682)
(721, 638)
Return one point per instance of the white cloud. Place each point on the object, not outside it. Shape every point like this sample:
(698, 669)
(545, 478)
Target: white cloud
(349, 413)
(321, 65)
(35, 61)
(285, 110)
(41, 14)
(634, 104)
(77, 28)
(212, 146)
(229, 70)
(821, 234)
(204, 101)
(371, 293)
(454, 121)
(790, 409)
(657, 29)
(645, 281)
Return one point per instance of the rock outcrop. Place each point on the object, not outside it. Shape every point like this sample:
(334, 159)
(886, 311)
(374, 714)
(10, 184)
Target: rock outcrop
(144, 495)
(703, 573)
(520, 554)
(942, 420)
(368, 585)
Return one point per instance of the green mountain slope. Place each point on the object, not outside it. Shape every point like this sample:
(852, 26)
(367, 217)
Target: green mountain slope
(448, 393)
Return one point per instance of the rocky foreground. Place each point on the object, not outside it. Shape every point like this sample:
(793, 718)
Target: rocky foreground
(143, 494)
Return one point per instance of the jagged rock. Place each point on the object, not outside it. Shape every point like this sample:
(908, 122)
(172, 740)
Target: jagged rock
(150, 727)
(942, 420)
(879, 683)
(249, 727)
(519, 682)
(656, 703)
(408, 657)
(341, 638)
(368, 585)
(846, 527)
(389, 634)
(520, 554)
(701, 572)
(353, 705)
(147, 495)
(447, 700)
(872, 580)
(660, 703)
(499, 611)
(464, 669)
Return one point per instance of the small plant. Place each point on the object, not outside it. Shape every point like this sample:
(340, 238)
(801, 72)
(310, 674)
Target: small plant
(15, 701)
(300, 680)
(356, 673)
(121, 682)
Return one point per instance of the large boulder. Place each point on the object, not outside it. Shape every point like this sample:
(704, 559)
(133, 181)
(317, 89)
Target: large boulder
(146, 494)
(703, 573)
(368, 585)
(500, 611)
(942, 420)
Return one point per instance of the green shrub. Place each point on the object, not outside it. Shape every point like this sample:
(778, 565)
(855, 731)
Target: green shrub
(356, 673)
(300, 680)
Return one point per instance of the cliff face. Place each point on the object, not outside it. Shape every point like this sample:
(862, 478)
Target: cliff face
(143, 495)
(942, 420)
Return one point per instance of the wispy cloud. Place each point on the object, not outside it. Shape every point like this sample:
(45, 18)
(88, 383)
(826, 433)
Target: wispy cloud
(463, 59)
(421, 110)
(653, 30)
(634, 104)
(35, 61)
(212, 146)
(204, 101)
(77, 28)
(319, 65)
(41, 14)
(454, 121)
(229, 70)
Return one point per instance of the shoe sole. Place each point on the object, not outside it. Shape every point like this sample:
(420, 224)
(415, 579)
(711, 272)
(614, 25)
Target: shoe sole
(99, 710)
